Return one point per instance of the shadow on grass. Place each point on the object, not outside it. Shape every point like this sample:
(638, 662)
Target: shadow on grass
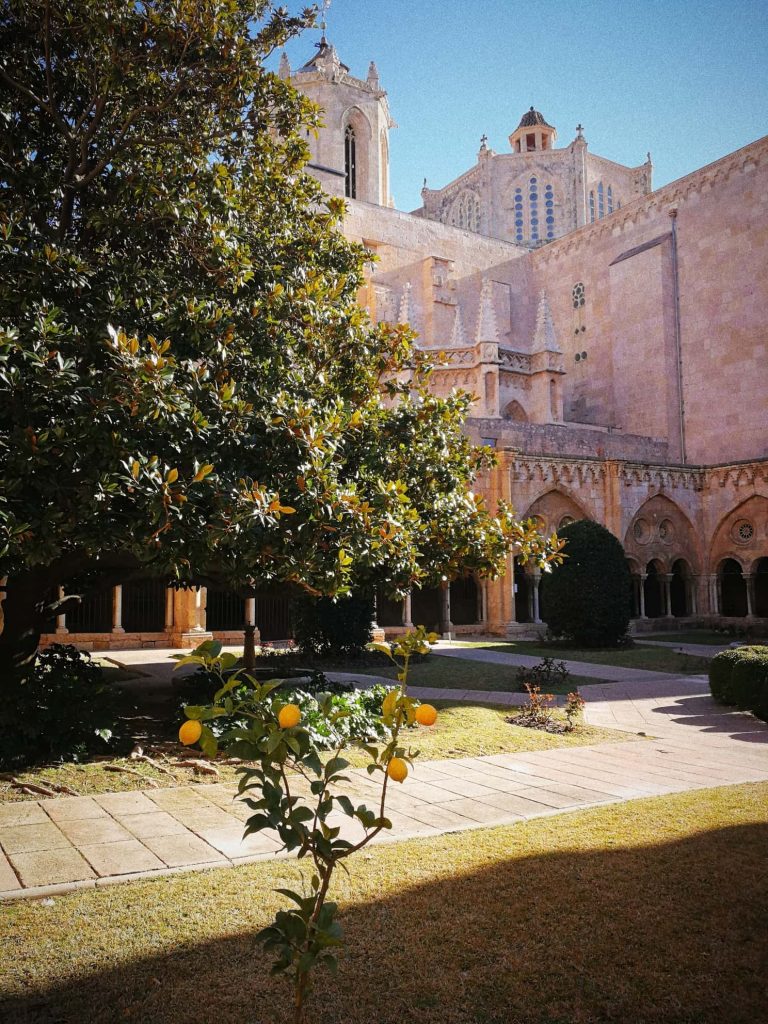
(672, 933)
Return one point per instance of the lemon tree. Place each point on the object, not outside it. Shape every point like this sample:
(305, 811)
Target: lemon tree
(294, 792)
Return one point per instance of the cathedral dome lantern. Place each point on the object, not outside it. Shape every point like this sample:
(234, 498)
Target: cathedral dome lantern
(533, 134)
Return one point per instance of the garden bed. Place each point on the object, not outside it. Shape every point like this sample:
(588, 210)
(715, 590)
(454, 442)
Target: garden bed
(461, 731)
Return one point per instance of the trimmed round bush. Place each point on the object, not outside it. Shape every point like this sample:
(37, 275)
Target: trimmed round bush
(587, 599)
(740, 677)
(333, 626)
(721, 675)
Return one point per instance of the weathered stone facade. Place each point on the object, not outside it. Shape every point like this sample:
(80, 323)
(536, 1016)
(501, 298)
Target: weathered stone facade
(620, 368)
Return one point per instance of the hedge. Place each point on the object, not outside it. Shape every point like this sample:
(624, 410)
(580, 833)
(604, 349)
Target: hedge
(740, 677)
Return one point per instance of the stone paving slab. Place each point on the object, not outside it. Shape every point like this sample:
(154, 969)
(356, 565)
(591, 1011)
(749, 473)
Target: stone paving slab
(56, 845)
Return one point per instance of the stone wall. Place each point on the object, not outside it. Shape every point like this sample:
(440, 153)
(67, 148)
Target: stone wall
(630, 365)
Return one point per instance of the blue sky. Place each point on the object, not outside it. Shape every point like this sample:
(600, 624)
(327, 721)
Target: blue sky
(685, 80)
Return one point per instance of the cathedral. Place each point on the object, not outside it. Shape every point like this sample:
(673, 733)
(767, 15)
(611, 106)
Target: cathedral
(615, 339)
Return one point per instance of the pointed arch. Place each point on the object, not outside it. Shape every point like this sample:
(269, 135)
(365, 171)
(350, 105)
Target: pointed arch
(357, 137)
(515, 412)
(555, 507)
(465, 211)
(741, 533)
(661, 530)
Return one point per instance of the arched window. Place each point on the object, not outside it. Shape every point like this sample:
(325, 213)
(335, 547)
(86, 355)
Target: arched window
(549, 206)
(610, 199)
(533, 202)
(600, 202)
(350, 163)
(465, 212)
(384, 158)
(591, 207)
(519, 228)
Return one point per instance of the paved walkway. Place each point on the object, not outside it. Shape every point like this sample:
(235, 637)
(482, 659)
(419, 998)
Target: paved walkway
(50, 846)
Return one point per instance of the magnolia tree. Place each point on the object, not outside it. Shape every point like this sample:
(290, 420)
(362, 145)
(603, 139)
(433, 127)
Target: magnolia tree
(188, 388)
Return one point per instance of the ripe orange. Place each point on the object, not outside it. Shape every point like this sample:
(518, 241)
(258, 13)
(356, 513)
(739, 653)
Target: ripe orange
(397, 770)
(289, 716)
(190, 732)
(426, 714)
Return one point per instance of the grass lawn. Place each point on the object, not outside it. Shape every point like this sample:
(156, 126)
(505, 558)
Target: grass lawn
(461, 731)
(656, 659)
(694, 636)
(457, 674)
(650, 912)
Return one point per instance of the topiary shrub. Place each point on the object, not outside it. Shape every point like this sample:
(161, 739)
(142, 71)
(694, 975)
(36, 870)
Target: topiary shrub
(587, 599)
(323, 626)
(750, 680)
(63, 712)
(740, 677)
(721, 676)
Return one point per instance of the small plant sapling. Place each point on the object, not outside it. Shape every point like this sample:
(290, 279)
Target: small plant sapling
(293, 792)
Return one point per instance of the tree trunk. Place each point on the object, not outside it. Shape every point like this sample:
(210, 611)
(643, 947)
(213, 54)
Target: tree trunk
(22, 625)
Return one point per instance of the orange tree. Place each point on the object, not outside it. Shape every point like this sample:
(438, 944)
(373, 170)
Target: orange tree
(188, 388)
(299, 796)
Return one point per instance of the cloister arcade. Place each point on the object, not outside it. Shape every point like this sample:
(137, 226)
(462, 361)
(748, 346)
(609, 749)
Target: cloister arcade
(675, 575)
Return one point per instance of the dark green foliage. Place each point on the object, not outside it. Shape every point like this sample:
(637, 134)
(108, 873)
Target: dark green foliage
(188, 387)
(324, 626)
(740, 677)
(63, 712)
(721, 675)
(587, 598)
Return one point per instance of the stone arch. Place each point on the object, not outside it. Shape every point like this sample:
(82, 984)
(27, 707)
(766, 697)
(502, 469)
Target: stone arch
(653, 589)
(661, 530)
(356, 120)
(681, 588)
(465, 211)
(733, 588)
(384, 167)
(515, 412)
(553, 507)
(742, 533)
(760, 570)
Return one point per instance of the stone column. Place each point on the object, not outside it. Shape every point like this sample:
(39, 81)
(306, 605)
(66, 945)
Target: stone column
(250, 611)
(692, 587)
(749, 580)
(535, 580)
(169, 594)
(714, 593)
(666, 579)
(117, 609)
(407, 611)
(445, 611)
(61, 620)
(198, 626)
(642, 578)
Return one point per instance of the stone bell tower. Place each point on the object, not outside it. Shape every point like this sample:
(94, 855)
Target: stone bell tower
(350, 155)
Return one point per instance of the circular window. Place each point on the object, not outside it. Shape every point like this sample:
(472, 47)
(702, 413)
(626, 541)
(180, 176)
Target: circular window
(641, 531)
(743, 531)
(666, 530)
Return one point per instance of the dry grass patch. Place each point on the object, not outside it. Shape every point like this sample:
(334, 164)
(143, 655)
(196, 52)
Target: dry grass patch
(650, 912)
